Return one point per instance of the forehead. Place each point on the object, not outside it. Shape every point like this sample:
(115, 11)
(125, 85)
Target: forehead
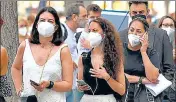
(138, 7)
(168, 21)
(137, 25)
(95, 14)
(83, 10)
(94, 25)
(47, 15)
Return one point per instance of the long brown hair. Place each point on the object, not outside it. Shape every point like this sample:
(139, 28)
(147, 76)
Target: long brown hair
(112, 47)
(163, 18)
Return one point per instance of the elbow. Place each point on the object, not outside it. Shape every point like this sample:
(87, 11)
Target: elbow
(122, 90)
(69, 87)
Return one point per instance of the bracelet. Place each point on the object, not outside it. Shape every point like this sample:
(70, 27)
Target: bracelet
(108, 78)
(50, 85)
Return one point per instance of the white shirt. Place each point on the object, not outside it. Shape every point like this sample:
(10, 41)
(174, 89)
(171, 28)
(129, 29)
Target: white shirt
(71, 42)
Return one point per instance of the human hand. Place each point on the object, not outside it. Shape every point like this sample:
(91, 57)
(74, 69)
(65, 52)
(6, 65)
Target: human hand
(41, 86)
(83, 87)
(85, 43)
(144, 42)
(146, 81)
(100, 73)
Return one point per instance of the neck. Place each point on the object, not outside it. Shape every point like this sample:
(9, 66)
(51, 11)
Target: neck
(98, 50)
(45, 42)
(136, 48)
(71, 25)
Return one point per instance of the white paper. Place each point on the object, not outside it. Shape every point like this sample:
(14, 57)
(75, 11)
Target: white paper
(156, 89)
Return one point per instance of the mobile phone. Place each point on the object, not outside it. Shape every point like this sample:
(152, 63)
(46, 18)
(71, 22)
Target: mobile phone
(34, 83)
(82, 82)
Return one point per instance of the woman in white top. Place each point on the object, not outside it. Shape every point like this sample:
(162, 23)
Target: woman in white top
(45, 60)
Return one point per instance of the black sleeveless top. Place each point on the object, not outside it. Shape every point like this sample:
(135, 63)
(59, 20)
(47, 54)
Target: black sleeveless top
(103, 88)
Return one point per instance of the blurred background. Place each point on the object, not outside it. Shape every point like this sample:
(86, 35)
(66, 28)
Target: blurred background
(157, 8)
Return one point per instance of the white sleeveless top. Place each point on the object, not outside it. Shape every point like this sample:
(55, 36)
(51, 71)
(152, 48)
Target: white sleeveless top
(52, 72)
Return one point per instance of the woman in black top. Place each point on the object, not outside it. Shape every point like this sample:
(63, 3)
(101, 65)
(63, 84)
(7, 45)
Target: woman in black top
(102, 68)
(141, 62)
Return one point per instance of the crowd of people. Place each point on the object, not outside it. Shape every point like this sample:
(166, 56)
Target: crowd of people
(57, 63)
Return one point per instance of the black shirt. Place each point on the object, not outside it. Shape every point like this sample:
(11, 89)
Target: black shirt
(134, 63)
(102, 86)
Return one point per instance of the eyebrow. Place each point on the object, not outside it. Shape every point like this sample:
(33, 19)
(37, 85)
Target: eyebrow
(48, 19)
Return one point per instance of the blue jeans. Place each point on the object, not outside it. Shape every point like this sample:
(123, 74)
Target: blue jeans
(73, 96)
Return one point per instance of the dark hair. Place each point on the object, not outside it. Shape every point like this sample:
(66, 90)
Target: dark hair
(138, 2)
(94, 8)
(73, 9)
(112, 47)
(143, 21)
(57, 36)
(163, 18)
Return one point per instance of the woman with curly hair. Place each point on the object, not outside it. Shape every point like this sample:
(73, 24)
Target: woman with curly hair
(101, 70)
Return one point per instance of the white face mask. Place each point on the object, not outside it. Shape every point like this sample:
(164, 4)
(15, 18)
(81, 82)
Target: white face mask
(22, 31)
(94, 39)
(169, 30)
(45, 29)
(133, 40)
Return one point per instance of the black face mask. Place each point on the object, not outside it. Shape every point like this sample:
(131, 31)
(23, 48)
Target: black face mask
(139, 15)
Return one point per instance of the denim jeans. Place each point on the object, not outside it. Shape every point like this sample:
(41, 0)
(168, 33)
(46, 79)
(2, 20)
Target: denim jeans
(73, 96)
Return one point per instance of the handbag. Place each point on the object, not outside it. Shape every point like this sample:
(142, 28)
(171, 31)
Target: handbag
(33, 98)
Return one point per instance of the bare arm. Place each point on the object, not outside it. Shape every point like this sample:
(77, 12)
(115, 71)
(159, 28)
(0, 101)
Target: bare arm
(118, 84)
(151, 71)
(17, 67)
(67, 72)
(4, 61)
(80, 69)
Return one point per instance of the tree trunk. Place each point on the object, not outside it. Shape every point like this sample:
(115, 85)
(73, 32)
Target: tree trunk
(9, 37)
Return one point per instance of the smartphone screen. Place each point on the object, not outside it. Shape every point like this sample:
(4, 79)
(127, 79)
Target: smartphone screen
(34, 83)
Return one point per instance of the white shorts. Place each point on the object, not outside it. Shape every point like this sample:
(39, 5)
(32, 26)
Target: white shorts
(98, 98)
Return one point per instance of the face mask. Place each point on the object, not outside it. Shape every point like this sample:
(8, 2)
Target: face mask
(45, 29)
(139, 15)
(133, 40)
(95, 39)
(22, 31)
(169, 30)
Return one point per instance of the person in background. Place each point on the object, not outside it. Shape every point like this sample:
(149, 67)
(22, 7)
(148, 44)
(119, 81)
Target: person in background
(43, 66)
(30, 20)
(102, 67)
(158, 39)
(93, 12)
(22, 30)
(62, 17)
(5, 88)
(141, 62)
(168, 24)
(76, 17)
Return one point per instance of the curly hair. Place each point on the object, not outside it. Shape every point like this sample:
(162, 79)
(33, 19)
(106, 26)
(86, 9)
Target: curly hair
(112, 47)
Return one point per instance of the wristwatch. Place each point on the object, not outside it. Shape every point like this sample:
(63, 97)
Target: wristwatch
(140, 81)
(50, 85)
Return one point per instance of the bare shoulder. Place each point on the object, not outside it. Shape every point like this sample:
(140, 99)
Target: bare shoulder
(22, 46)
(65, 49)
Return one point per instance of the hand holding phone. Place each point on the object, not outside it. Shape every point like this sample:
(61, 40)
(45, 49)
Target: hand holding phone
(34, 83)
(82, 85)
